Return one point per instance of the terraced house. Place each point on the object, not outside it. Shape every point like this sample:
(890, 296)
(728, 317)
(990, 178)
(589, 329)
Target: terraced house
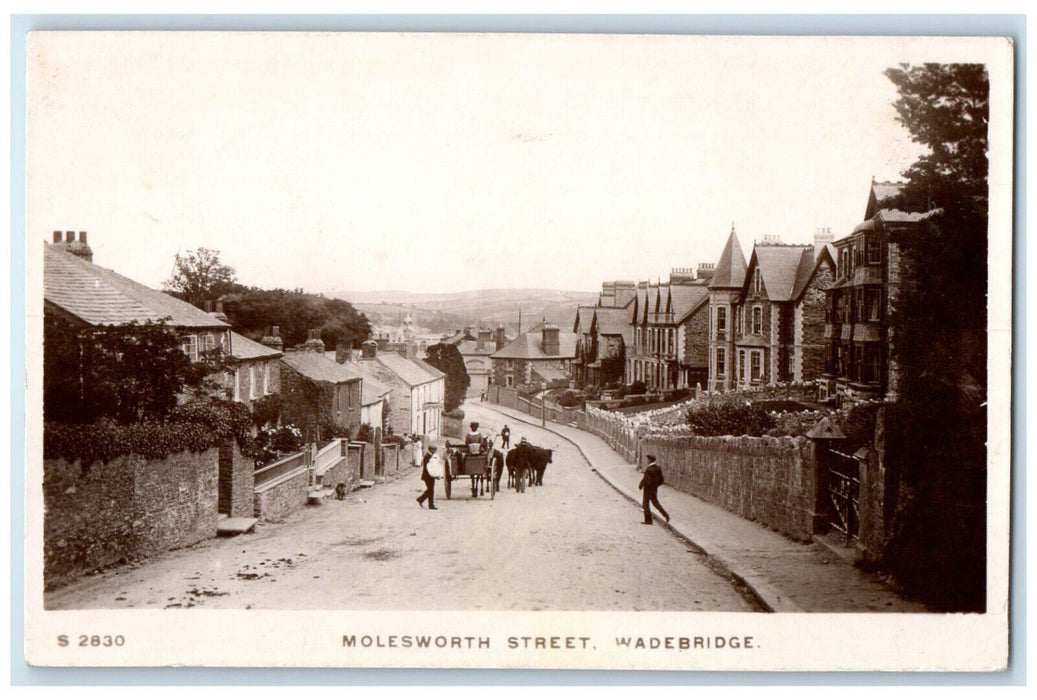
(779, 313)
(869, 275)
(669, 321)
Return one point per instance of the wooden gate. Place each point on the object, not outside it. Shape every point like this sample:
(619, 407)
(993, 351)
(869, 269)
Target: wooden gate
(844, 494)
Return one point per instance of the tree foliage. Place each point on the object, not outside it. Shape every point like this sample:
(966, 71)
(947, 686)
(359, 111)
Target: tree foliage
(938, 427)
(199, 276)
(253, 312)
(127, 373)
(447, 359)
(945, 107)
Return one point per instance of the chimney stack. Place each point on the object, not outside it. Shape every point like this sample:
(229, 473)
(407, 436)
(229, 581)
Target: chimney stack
(274, 339)
(822, 237)
(368, 350)
(313, 342)
(71, 245)
(342, 353)
(705, 271)
(499, 338)
(549, 339)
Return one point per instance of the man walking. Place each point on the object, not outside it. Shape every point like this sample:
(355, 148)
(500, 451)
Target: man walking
(505, 436)
(430, 481)
(650, 483)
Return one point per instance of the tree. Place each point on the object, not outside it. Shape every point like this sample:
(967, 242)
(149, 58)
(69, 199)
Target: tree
(946, 108)
(252, 312)
(126, 373)
(447, 359)
(199, 276)
(937, 428)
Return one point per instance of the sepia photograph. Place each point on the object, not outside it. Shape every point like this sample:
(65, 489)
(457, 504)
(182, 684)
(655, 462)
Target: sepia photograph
(518, 351)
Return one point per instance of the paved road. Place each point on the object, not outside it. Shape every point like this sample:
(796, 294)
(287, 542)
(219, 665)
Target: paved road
(572, 544)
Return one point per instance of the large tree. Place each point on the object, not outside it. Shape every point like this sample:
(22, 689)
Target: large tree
(447, 359)
(253, 312)
(199, 276)
(938, 431)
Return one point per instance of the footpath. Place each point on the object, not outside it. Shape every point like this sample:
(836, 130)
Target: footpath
(784, 575)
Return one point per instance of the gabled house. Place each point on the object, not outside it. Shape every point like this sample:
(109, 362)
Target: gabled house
(869, 275)
(84, 294)
(669, 334)
(416, 389)
(542, 355)
(724, 289)
(257, 372)
(475, 351)
(316, 391)
(779, 313)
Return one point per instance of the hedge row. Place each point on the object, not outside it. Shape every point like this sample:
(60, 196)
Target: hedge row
(196, 426)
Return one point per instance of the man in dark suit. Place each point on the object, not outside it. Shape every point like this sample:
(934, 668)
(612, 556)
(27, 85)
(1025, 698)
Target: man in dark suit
(430, 481)
(650, 483)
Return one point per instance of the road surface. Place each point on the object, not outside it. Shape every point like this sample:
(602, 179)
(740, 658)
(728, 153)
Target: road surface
(572, 544)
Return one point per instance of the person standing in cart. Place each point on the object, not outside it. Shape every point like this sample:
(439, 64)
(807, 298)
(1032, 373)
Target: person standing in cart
(430, 481)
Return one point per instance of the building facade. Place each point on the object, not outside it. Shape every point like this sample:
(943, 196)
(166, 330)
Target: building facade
(858, 332)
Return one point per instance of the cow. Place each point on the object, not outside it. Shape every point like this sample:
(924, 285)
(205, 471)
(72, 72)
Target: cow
(541, 458)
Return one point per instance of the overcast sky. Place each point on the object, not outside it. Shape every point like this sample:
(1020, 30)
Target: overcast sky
(454, 162)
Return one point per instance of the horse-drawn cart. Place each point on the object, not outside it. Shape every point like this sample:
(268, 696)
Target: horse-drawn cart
(471, 460)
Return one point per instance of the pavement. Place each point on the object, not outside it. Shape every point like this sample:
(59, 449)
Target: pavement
(784, 575)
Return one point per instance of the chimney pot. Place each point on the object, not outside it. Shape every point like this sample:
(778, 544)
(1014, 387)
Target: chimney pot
(57, 236)
(70, 236)
(82, 237)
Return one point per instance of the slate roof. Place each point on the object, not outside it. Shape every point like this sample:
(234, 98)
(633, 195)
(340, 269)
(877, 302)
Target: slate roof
(528, 347)
(584, 315)
(372, 391)
(412, 372)
(730, 268)
(471, 347)
(100, 297)
(243, 348)
(614, 321)
(808, 266)
(687, 298)
(313, 365)
(779, 267)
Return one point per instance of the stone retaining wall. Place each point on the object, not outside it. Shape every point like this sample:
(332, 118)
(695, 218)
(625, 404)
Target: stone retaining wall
(279, 497)
(124, 510)
(773, 481)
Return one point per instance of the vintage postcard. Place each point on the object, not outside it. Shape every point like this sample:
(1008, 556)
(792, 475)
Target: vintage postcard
(518, 351)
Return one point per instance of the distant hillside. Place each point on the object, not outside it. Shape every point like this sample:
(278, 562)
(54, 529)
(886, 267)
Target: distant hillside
(488, 307)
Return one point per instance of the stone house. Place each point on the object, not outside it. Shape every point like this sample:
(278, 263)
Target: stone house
(86, 295)
(666, 354)
(543, 354)
(257, 372)
(78, 291)
(778, 316)
(476, 346)
(724, 289)
(869, 274)
(316, 391)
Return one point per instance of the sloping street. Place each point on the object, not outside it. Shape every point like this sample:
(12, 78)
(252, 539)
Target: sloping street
(572, 544)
